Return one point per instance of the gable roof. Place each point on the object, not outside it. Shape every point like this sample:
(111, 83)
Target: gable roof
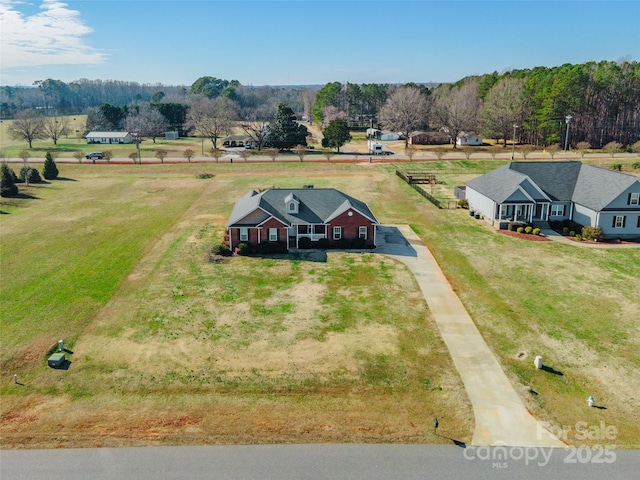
(317, 205)
(568, 181)
(107, 134)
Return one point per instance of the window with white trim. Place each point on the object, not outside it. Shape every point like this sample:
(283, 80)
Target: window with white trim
(337, 233)
(619, 221)
(244, 234)
(362, 232)
(273, 234)
(292, 207)
(557, 210)
(634, 198)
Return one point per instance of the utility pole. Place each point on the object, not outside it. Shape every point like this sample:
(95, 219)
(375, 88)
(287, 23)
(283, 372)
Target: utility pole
(513, 144)
(566, 139)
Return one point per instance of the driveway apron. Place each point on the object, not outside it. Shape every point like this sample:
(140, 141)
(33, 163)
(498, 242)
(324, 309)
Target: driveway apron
(500, 415)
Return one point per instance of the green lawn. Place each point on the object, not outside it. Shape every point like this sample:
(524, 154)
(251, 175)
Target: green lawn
(111, 260)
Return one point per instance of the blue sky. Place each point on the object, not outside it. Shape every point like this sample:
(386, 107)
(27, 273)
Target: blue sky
(265, 42)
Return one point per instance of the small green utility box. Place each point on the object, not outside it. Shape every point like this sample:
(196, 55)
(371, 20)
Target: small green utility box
(56, 360)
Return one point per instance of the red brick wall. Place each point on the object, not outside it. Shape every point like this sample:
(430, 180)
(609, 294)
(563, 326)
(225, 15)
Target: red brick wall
(350, 226)
(264, 233)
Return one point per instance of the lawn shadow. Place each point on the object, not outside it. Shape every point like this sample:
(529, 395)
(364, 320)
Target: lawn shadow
(600, 407)
(65, 179)
(552, 370)
(312, 255)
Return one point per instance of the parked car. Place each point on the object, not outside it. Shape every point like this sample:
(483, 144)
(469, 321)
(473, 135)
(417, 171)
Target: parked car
(94, 156)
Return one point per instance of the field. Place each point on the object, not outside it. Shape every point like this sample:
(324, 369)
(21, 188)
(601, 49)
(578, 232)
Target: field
(171, 349)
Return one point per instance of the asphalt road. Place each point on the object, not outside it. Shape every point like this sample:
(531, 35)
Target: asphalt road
(343, 462)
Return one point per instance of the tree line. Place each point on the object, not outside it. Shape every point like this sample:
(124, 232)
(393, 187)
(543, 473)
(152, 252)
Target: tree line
(594, 103)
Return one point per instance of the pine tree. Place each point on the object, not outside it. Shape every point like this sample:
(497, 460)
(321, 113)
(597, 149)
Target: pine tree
(50, 170)
(8, 186)
(285, 132)
(336, 134)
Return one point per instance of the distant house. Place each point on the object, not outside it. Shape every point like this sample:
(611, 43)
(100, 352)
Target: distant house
(109, 137)
(429, 138)
(287, 215)
(549, 191)
(386, 135)
(237, 141)
(171, 135)
(468, 139)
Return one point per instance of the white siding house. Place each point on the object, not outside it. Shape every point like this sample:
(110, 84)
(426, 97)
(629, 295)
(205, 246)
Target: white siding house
(555, 191)
(468, 139)
(109, 137)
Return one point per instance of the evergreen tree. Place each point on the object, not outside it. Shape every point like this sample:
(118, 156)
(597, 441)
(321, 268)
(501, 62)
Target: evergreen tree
(30, 175)
(8, 186)
(336, 134)
(285, 132)
(50, 170)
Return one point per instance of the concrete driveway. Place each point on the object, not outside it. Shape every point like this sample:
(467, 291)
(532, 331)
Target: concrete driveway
(500, 415)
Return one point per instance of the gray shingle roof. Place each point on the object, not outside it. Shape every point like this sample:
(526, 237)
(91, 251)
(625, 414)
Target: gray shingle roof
(316, 205)
(593, 187)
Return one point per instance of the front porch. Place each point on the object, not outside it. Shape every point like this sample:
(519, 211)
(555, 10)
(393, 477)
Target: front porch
(523, 212)
(313, 232)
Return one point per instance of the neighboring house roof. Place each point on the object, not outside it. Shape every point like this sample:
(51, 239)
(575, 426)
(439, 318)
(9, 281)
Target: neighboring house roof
(467, 134)
(317, 206)
(107, 134)
(570, 181)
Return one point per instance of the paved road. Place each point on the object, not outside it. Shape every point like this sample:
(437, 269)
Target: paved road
(343, 462)
(500, 415)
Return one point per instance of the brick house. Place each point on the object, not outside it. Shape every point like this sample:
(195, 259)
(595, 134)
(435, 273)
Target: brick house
(288, 215)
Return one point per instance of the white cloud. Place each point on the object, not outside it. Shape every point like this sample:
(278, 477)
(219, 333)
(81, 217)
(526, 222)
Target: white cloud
(50, 37)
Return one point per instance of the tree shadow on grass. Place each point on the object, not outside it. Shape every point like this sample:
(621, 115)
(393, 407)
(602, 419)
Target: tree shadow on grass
(26, 196)
(65, 179)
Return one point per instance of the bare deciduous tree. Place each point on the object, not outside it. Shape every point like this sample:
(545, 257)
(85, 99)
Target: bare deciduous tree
(331, 113)
(503, 106)
(410, 152)
(146, 122)
(405, 112)
(308, 99)
(583, 147)
(301, 151)
(612, 148)
(457, 108)
(216, 153)
(213, 118)
(161, 154)
(257, 131)
(188, 154)
(273, 153)
(78, 155)
(55, 127)
(553, 149)
(27, 126)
